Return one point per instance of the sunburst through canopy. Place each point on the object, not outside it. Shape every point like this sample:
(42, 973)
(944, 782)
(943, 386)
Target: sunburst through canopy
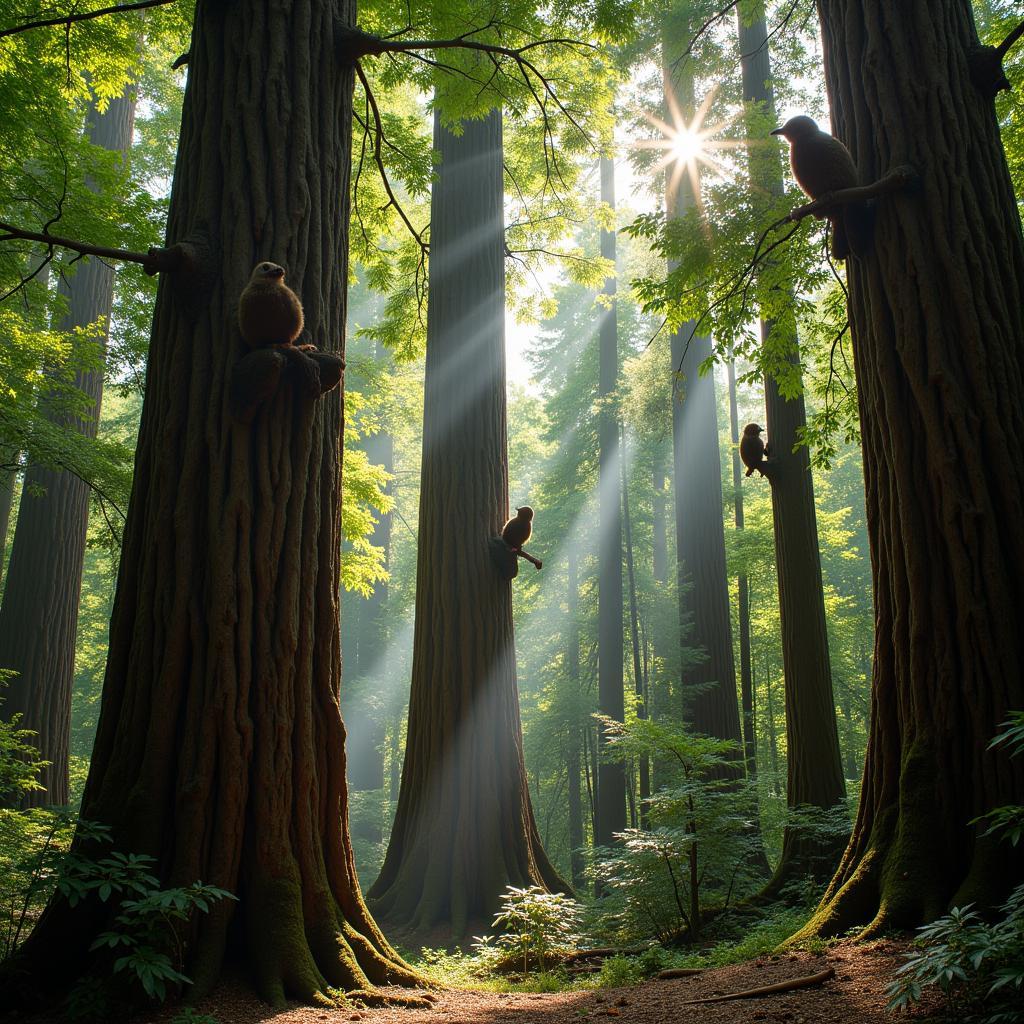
(687, 145)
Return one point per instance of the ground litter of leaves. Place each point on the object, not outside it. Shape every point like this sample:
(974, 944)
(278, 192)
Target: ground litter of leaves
(855, 994)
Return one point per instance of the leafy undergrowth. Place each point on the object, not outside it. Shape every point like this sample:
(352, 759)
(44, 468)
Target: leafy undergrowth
(738, 939)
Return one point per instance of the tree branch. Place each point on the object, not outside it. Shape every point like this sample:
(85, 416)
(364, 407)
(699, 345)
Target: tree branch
(69, 19)
(1003, 48)
(156, 260)
(897, 180)
(986, 64)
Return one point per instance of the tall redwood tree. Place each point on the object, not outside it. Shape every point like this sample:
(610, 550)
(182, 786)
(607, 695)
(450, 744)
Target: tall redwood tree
(220, 746)
(937, 322)
(464, 827)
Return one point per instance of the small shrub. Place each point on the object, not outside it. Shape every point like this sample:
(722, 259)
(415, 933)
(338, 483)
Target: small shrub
(620, 971)
(537, 924)
(978, 966)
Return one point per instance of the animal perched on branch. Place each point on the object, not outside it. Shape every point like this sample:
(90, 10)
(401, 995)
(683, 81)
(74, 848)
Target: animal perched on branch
(270, 319)
(518, 530)
(753, 450)
(270, 316)
(821, 165)
(269, 312)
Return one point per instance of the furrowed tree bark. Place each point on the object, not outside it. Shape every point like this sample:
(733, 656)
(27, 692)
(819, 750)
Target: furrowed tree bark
(220, 745)
(464, 828)
(611, 775)
(937, 321)
(709, 688)
(39, 615)
(813, 759)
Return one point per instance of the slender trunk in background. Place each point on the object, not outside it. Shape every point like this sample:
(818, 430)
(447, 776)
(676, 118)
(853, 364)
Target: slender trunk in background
(772, 740)
(746, 682)
(814, 763)
(224, 636)
(705, 621)
(611, 776)
(572, 663)
(8, 471)
(464, 827)
(644, 765)
(663, 705)
(746, 686)
(936, 321)
(39, 614)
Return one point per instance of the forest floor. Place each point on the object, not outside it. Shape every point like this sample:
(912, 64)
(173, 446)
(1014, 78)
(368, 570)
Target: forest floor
(855, 995)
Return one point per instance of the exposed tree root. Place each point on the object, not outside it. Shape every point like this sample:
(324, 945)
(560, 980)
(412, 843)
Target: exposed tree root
(767, 990)
(373, 997)
(678, 972)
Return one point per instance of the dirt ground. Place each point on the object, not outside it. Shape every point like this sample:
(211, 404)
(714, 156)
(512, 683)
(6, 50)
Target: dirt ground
(855, 995)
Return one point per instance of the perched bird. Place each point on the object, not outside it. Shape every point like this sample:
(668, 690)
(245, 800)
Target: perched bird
(753, 449)
(822, 164)
(516, 532)
(269, 312)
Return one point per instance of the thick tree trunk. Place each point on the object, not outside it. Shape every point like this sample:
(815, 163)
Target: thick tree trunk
(464, 828)
(709, 688)
(220, 746)
(39, 615)
(813, 759)
(937, 322)
(611, 775)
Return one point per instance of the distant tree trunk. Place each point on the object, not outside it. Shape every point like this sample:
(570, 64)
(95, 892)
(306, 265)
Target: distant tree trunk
(661, 706)
(746, 686)
(746, 679)
(644, 766)
(937, 322)
(772, 732)
(709, 688)
(39, 615)
(220, 745)
(464, 828)
(572, 662)
(8, 471)
(611, 776)
(814, 763)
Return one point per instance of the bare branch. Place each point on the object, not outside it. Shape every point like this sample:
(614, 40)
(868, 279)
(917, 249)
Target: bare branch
(1004, 47)
(378, 141)
(175, 257)
(68, 19)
